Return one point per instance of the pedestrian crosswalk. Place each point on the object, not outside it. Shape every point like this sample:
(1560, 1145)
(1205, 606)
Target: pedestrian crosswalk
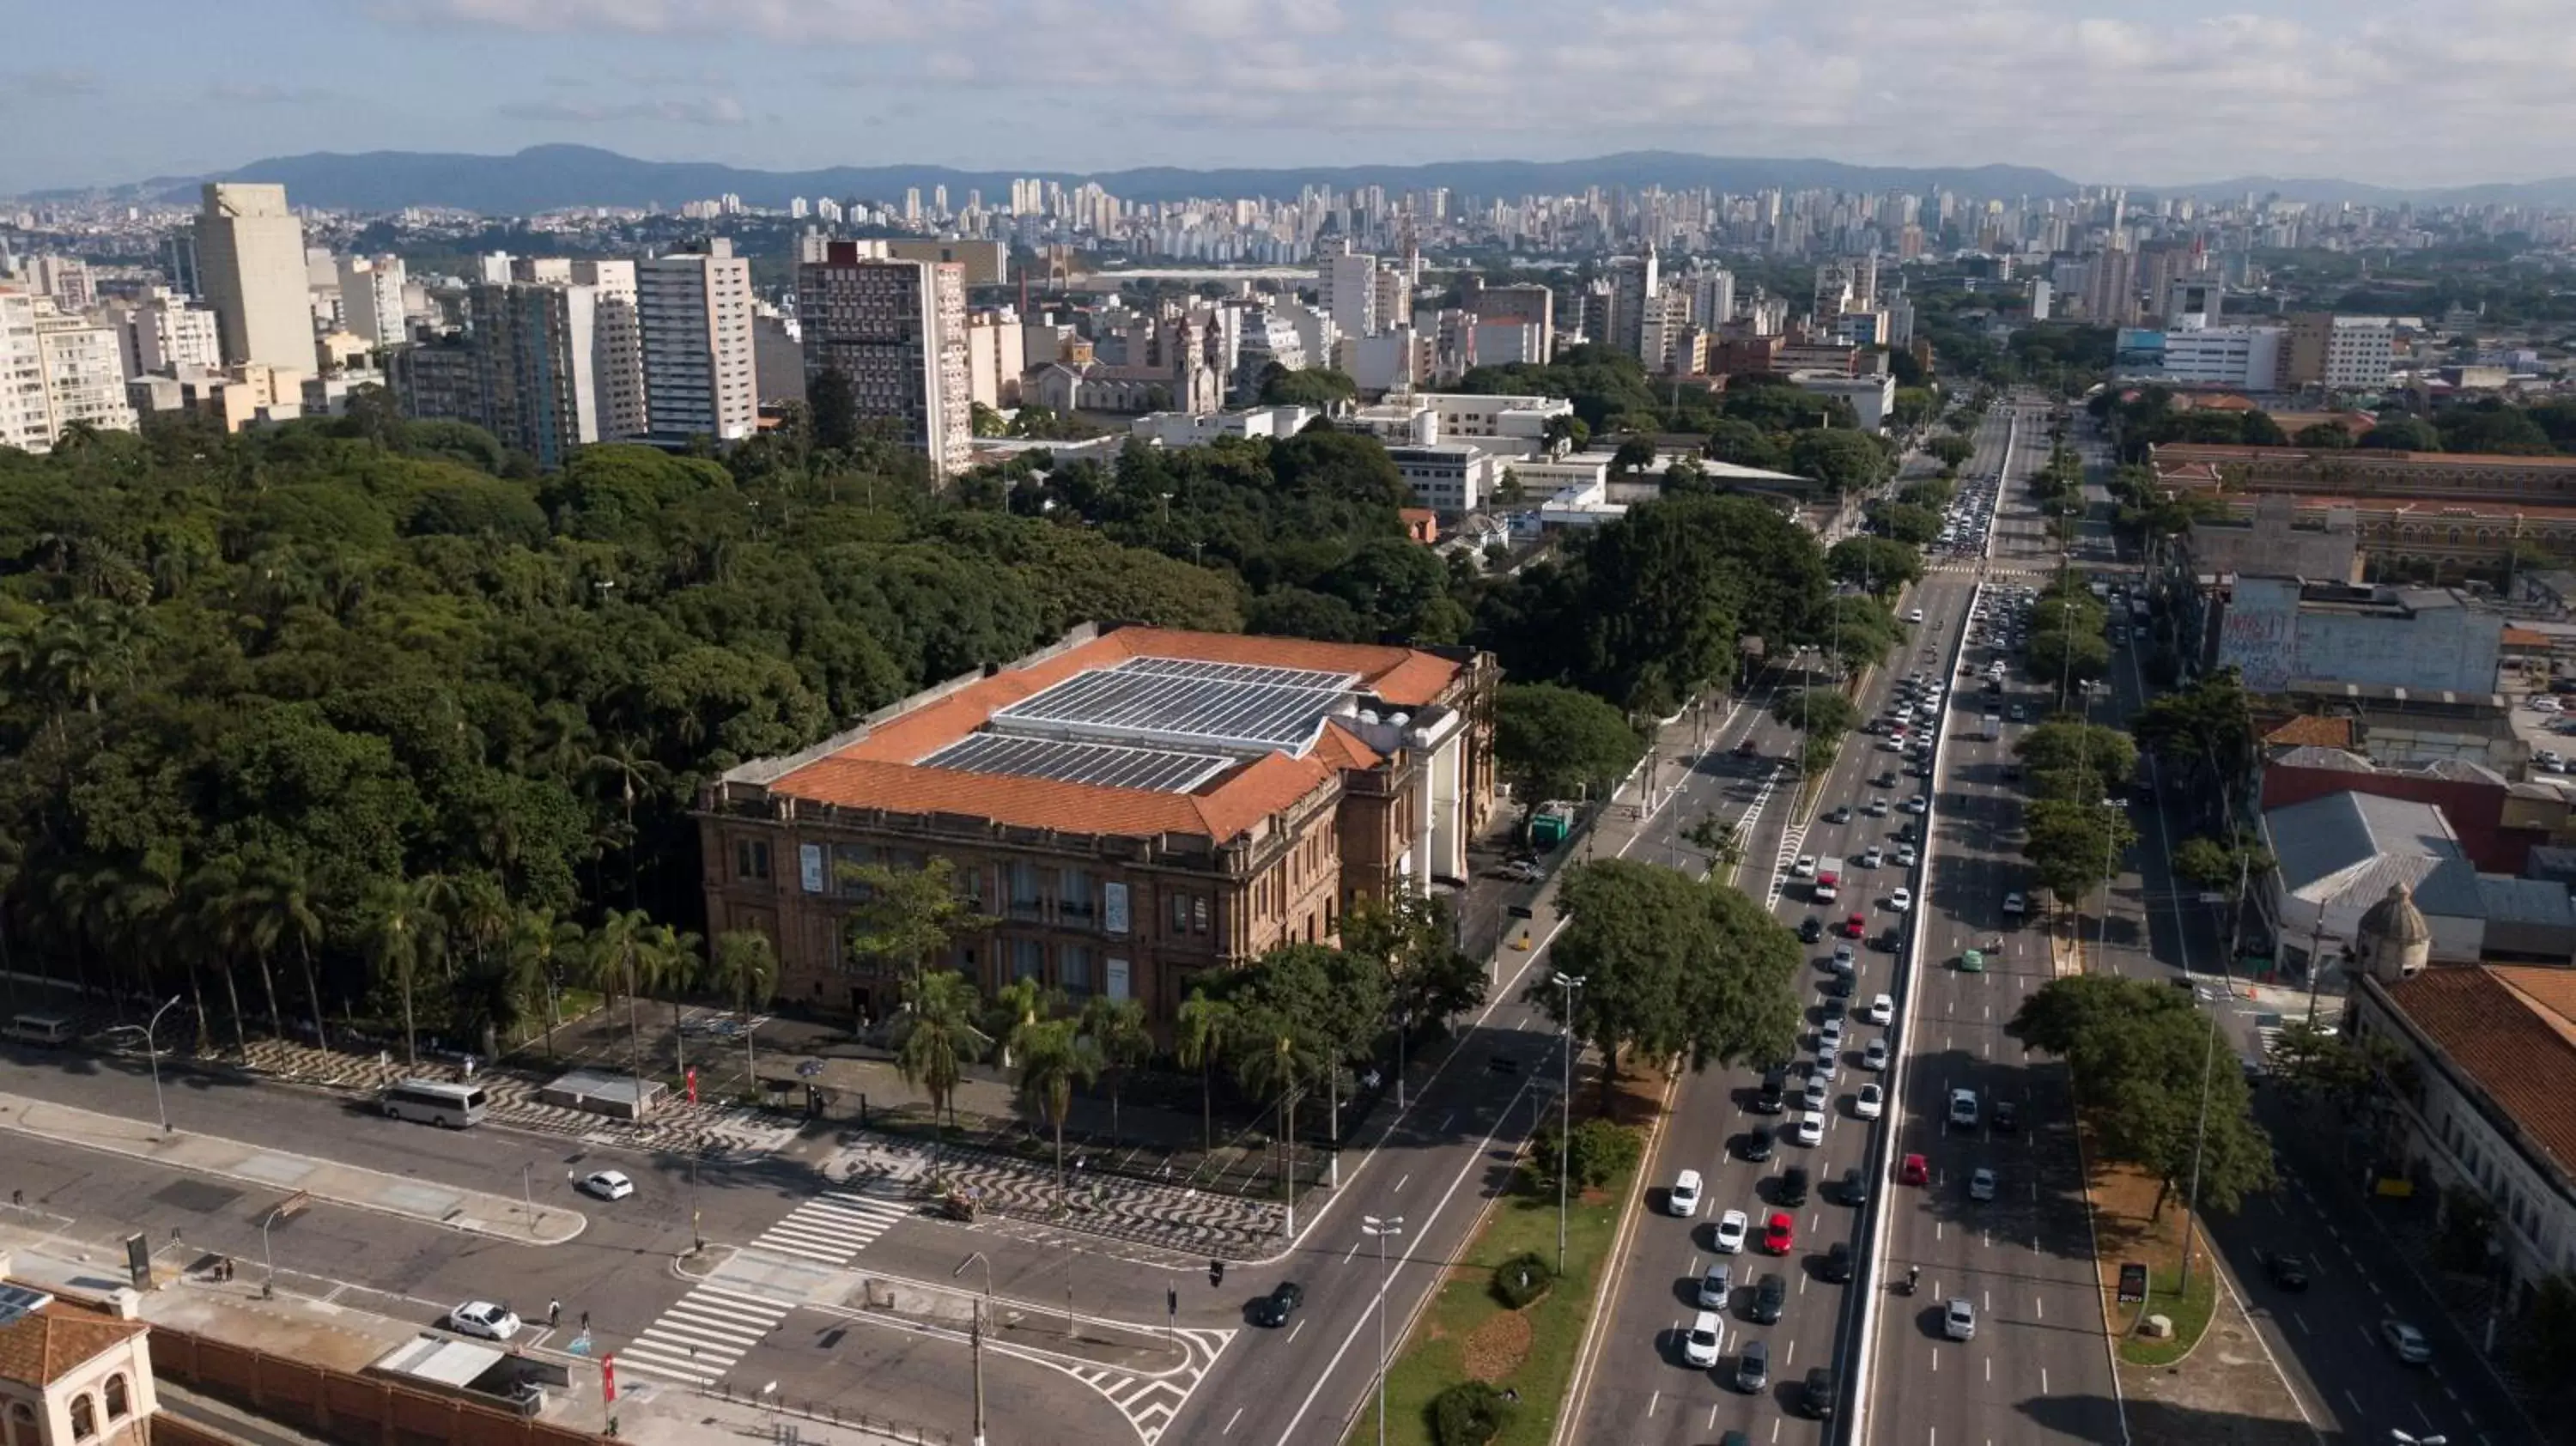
(831, 1227)
(707, 1330)
(703, 1333)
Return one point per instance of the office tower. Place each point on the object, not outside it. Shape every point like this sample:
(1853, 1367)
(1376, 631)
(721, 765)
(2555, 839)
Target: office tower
(2191, 304)
(179, 258)
(1712, 296)
(250, 254)
(700, 378)
(2110, 288)
(162, 333)
(895, 331)
(623, 408)
(536, 383)
(56, 370)
(371, 299)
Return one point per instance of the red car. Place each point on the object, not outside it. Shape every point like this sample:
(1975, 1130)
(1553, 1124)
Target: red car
(1915, 1171)
(1779, 1233)
(1856, 925)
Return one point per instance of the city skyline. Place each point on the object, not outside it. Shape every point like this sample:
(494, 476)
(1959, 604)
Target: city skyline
(2292, 88)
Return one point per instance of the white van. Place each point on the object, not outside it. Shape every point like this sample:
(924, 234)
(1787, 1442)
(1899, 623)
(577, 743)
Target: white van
(50, 1030)
(435, 1102)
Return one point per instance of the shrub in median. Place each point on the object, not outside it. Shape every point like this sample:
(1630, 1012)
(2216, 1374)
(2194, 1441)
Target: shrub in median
(1523, 1278)
(1470, 1413)
(1602, 1151)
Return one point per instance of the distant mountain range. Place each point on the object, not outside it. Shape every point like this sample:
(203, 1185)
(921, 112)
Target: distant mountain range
(546, 178)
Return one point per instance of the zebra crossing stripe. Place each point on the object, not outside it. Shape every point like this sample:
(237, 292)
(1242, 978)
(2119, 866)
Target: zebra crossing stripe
(831, 1228)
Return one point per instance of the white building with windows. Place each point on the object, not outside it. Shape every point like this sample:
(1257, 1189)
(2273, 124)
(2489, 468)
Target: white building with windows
(56, 370)
(163, 332)
(2361, 351)
(1448, 477)
(71, 1375)
(694, 313)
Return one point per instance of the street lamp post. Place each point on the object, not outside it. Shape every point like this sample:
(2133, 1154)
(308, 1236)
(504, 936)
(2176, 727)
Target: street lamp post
(1381, 1229)
(1565, 1110)
(978, 1333)
(152, 1052)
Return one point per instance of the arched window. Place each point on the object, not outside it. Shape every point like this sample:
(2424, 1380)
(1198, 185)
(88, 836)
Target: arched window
(117, 1404)
(84, 1418)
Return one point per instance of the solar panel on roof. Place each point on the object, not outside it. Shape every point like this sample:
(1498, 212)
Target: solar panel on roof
(17, 1302)
(1180, 697)
(1108, 765)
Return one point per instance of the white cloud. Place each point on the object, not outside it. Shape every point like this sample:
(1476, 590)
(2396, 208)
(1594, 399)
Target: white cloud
(2103, 90)
(721, 110)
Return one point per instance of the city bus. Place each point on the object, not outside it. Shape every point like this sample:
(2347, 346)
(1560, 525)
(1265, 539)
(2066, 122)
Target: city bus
(432, 1102)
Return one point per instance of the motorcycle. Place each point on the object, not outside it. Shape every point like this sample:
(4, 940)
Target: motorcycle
(1913, 1273)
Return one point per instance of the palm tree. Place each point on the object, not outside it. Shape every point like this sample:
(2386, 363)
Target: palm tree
(213, 913)
(677, 963)
(1276, 1056)
(1054, 1056)
(629, 764)
(1205, 1033)
(617, 959)
(278, 900)
(745, 965)
(539, 946)
(939, 1037)
(395, 936)
(1015, 1007)
(1116, 1027)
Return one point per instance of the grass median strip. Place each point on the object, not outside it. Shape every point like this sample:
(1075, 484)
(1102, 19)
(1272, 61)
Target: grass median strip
(1467, 1333)
(2123, 1201)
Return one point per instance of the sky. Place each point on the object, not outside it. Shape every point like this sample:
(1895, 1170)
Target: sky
(2142, 92)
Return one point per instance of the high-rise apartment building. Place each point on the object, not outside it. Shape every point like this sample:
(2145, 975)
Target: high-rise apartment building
(623, 409)
(250, 256)
(56, 370)
(895, 332)
(1712, 296)
(695, 315)
(2110, 288)
(1346, 287)
(371, 299)
(1520, 304)
(1633, 283)
(163, 332)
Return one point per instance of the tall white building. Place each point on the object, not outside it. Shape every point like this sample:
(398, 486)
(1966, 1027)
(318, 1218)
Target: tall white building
(56, 370)
(250, 259)
(162, 332)
(1346, 289)
(371, 299)
(695, 312)
(895, 332)
(1712, 294)
(623, 409)
(2360, 354)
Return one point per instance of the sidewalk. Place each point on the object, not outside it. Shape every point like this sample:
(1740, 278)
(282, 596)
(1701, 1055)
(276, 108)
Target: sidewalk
(333, 1336)
(474, 1211)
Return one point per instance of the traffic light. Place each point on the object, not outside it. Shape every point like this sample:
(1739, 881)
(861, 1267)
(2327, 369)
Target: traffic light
(1216, 1272)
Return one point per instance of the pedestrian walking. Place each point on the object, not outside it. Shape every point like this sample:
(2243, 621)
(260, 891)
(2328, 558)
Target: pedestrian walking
(554, 1314)
(585, 1322)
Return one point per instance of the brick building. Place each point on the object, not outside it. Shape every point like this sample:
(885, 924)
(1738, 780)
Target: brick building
(1131, 807)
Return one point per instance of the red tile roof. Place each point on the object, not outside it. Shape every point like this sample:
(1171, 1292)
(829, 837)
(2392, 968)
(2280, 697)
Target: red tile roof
(2512, 1030)
(879, 771)
(40, 1349)
(2311, 731)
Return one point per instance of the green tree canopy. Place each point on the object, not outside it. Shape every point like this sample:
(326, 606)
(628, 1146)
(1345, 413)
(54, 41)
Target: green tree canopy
(1554, 742)
(1883, 564)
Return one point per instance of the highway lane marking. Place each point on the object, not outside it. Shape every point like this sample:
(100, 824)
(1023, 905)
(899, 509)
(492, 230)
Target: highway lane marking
(1354, 1250)
(2043, 1380)
(2356, 1400)
(1990, 1368)
(1444, 1123)
(1712, 1416)
(2302, 1323)
(2427, 1415)
(1652, 1402)
(2038, 1308)
(1399, 1185)
(1292, 1332)
(1230, 1420)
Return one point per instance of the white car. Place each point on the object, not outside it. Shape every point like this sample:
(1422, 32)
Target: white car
(1901, 900)
(1877, 807)
(1882, 1009)
(1811, 1128)
(1870, 857)
(483, 1318)
(2013, 904)
(1717, 1286)
(1905, 856)
(1804, 868)
(1874, 1055)
(1683, 1199)
(1829, 1037)
(1959, 1319)
(1918, 804)
(1914, 616)
(1730, 1232)
(1870, 1103)
(2542, 703)
(1817, 1091)
(1963, 1108)
(1981, 1184)
(607, 1184)
(1700, 1343)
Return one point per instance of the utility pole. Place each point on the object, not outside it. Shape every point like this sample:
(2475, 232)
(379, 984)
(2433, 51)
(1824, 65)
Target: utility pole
(978, 1332)
(152, 1052)
(1381, 1229)
(1565, 1110)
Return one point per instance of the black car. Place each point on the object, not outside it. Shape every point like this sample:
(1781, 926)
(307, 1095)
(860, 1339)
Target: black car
(1855, 1186)
(2006, 1118)
(1884, 780)
(1841, 814)
(1753, 1368)
(2289, 1272)
(1812, 931)
(1816, 1398)
(1838, 986)
(1837, 1265)
(1274, 1309)
(1773, 1096)
(1770, 1298)
(1793, 1185)
(1757, 1143)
